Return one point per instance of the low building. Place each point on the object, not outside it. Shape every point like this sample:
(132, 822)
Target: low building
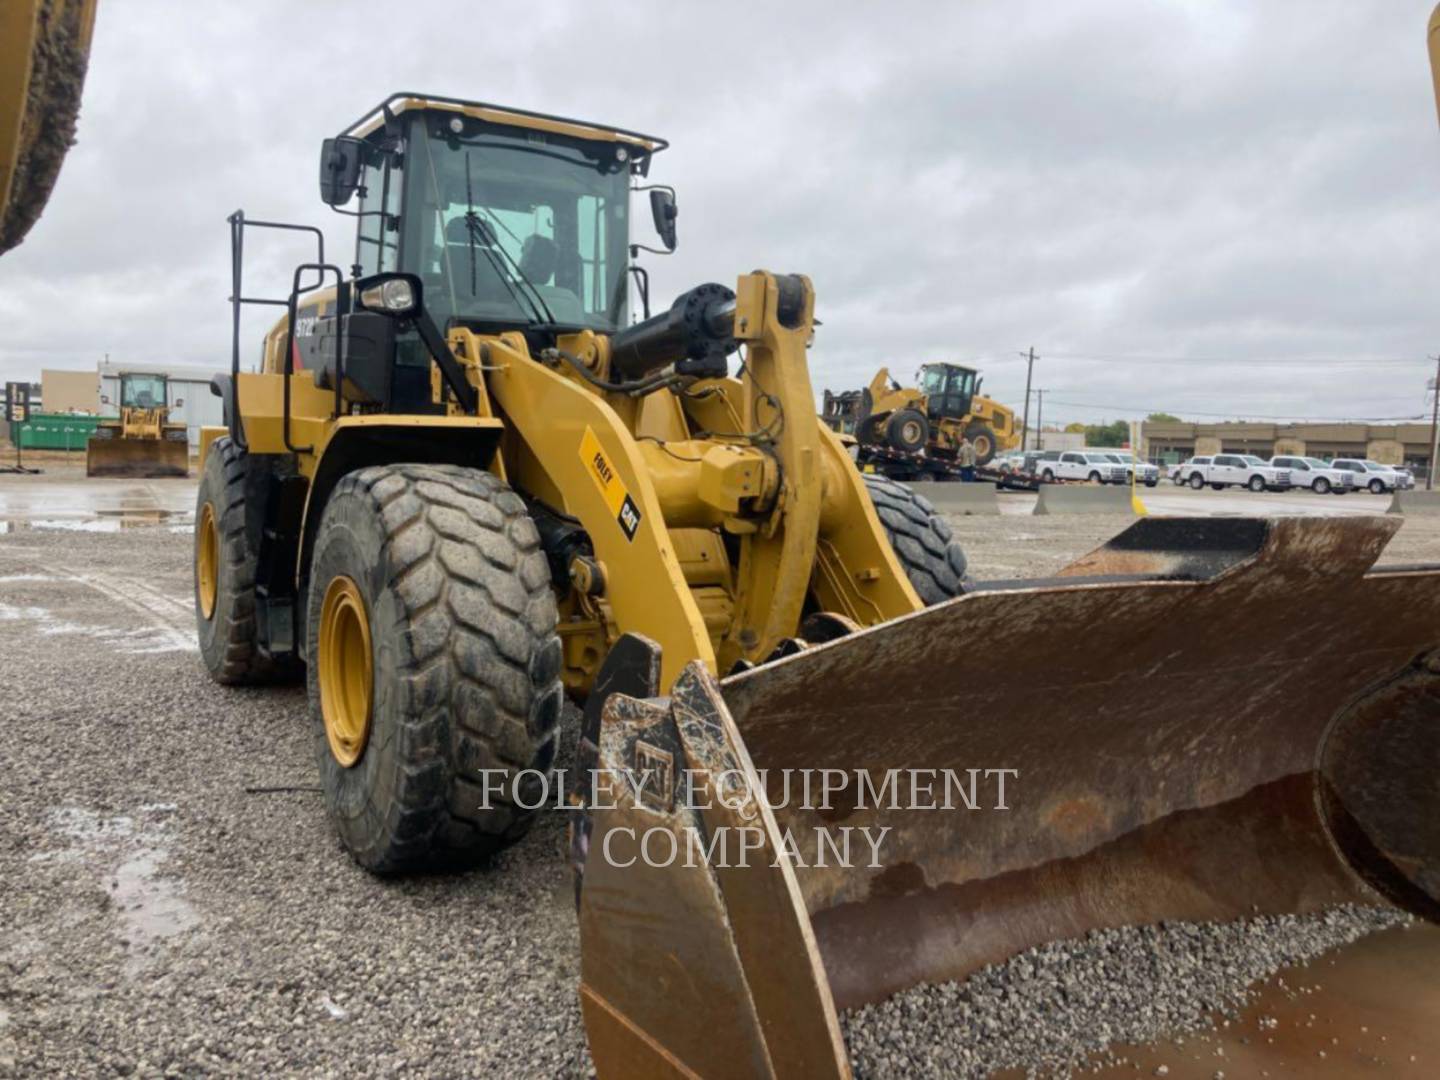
(1390, 444)
(67, 391)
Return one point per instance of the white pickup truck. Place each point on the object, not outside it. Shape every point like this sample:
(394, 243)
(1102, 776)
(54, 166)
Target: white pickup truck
(1378, 478)
(1149, 474)
(1092, 465)
(1316, 475)
(1232, 470)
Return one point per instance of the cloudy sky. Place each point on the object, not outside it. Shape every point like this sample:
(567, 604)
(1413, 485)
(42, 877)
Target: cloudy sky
(1227, 209)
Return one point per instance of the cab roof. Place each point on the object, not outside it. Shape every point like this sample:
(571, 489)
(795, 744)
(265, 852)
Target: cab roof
(406, 101)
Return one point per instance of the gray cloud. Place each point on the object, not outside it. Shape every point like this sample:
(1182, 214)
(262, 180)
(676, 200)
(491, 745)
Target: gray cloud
(1253, 183)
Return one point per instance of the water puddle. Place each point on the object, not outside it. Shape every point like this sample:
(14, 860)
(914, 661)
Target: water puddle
(129, 853)
(1366, 1009)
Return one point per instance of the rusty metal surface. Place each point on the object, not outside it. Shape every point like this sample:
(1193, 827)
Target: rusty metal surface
(1167, 768)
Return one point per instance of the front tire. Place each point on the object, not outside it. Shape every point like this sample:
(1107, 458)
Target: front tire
(1322, 486)
(434, 656)
(983, 440)
(1377, 487)
(1196, 481)
(922, 540)
(1048, 476)
(1094, 478)
(1257, 483)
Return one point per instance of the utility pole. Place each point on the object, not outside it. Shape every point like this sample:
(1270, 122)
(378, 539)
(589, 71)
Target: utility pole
(1039, 419)
(1025, 424)
(1434, 430)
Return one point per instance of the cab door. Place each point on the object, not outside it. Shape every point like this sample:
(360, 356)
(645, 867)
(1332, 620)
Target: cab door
(1227, 469)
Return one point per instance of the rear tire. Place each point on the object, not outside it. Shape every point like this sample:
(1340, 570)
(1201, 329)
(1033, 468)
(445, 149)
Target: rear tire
(922, 540)
(465, 660)
(907, 431)
(224, 569)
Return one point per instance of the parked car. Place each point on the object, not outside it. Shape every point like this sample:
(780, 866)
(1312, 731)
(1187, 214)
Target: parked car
(1149, 474)
(1378, 478)
(1091, 465)
(1233, 470)
(1314, 474)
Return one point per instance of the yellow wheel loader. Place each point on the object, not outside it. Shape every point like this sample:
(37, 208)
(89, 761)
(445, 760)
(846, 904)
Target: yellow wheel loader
(141, 442)
(928, 419)
(462, 485)
(44, 50)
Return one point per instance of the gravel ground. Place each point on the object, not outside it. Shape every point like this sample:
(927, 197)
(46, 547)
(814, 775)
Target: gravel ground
(1050, 1008)
(159, 916)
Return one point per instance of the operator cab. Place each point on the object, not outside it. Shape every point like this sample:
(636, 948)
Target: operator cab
(142, 391)
(494, 218)
(949, 389)
(511, 219)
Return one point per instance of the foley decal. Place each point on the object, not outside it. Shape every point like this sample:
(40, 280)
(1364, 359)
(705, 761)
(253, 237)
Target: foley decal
(597, 464)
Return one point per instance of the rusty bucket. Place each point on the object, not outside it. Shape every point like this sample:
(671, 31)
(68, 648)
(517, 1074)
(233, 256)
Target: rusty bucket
(1202, 719)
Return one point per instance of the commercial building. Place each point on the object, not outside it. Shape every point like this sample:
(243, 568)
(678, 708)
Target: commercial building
(1391, 444)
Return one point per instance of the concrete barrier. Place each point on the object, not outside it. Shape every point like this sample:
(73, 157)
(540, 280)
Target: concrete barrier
(1415, 502)
(957, 498)
(1083, 499)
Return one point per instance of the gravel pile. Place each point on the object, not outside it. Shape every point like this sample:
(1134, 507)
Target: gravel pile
(1048, 1009)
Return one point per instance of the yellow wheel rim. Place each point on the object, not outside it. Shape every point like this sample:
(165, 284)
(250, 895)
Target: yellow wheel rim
(345, 670)
(910, 431)
(207, 561)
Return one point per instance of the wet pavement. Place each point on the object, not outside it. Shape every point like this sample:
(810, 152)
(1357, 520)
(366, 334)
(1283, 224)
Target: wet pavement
(64, 498)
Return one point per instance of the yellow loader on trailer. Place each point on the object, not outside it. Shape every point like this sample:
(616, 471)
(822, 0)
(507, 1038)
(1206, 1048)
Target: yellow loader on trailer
(462, 486)
(141, 442)
(930, 418)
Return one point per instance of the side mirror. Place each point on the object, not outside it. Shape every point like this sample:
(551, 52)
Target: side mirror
(339, 169)
(179, 403)
(664, 211)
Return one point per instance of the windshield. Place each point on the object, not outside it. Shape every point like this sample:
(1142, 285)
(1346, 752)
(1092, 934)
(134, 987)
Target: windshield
(1374, 466)
(1316, 462)
(1253, 460)
(518, 228)
(142, 392)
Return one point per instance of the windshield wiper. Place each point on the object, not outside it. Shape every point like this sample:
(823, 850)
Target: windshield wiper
(478, 229)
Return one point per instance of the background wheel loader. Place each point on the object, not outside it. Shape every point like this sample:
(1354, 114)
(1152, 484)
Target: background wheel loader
(929, 419)
(461, 487)
(141, 442)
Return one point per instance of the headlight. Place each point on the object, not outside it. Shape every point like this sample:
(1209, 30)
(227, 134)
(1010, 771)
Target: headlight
(395, 296)
(390, 294)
